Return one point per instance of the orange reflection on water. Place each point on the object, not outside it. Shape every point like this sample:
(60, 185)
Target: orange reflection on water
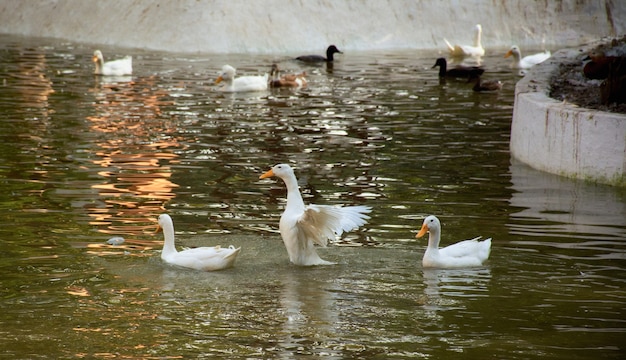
(134, 155)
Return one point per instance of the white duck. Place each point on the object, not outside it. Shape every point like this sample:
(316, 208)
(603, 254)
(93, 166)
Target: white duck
(201, 258)
(466, 253)
(303, 226)
(112, 68)
(526, 62)
(468, 50)
(242, 83)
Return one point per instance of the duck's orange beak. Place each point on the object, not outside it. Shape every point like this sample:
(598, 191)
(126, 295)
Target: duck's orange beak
(267, 174)
(422, 232)
(94, 59)
(219, 79)
(508, 53)
(159, 228)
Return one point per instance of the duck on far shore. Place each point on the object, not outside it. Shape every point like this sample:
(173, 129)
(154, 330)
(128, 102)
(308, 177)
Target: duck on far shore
(526, 62)
(468, 50)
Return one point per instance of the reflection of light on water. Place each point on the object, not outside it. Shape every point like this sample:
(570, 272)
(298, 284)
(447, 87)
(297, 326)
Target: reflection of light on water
(132, 155)
(550, 205)
(446, 287)
(306, 306)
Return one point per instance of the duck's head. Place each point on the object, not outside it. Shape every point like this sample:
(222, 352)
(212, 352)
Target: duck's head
(333, 50)
(274, 70)
(97, 56)
(514, 50)
(430, 224)
(281, 170)
(228, 73)
(440, 62)
(163, 221)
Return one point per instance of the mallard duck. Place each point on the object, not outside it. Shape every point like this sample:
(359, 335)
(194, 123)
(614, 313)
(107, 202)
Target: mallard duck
(112, 68)
(288, 80)
(486, 85)
(468, 50)
(319, 58)
(466, 253)
(302, 226)
(525, 62)
(242, 83)
(201, 258)
(459, 71)
(598, 66)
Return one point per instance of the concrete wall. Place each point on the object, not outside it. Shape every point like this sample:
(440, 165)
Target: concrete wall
(564, 139)
(283, 26)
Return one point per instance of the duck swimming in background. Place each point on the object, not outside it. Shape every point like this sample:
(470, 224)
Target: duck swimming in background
(526, 62)
(468, 50)
(467, 253)
(332, 49)
(242, 83)
(486, 85)
(201, 258)
(112, 68)
(288, 80)
(459, 71)
(302, 226)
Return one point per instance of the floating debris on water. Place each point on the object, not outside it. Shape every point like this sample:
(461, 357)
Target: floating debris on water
(118, 240)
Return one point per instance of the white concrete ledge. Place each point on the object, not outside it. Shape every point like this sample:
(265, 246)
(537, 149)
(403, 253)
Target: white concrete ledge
(562, 138)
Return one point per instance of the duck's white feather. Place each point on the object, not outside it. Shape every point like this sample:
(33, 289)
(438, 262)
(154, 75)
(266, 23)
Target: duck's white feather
(201, 258)
(467, 253)
(242, 83)
(468, 50)
(526, 62)
(112, 68)
(301, 227)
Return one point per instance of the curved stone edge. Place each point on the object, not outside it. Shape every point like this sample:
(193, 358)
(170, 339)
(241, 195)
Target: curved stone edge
(562, 138)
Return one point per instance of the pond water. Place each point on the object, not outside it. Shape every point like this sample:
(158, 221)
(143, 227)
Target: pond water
(86, 159)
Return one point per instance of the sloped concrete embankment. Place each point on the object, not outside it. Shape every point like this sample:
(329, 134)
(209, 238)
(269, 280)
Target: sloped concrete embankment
(562, 138)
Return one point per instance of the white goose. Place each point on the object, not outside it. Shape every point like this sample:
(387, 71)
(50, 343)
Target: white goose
(112, 68)
(202, 258)
(467, 253)
(303, 226)
(242, 83)
(526, 62)
(468, 50)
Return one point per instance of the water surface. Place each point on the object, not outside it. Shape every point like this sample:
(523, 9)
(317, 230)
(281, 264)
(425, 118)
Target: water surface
(85, 159)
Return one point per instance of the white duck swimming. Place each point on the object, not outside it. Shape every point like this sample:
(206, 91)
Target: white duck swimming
(201, 258)
(468, 50)
(467, 253)
(525, 62)
(112, 68)
(242, 83)
(303, 226)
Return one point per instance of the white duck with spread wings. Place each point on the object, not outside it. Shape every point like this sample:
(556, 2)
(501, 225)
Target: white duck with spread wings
(302, 226)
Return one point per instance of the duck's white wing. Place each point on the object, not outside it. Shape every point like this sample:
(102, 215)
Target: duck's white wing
(205, 258)
(251, 83)
(535, 59)
(322, 222)
(119, 67)
(464, 50)
(468, 248)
